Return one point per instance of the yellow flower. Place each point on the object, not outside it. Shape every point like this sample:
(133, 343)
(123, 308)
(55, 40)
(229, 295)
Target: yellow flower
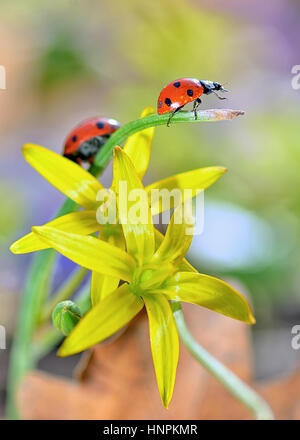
(153, 270)
(80, 186)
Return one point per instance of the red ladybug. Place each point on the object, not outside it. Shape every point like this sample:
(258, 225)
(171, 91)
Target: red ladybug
(87, 138)
(181, 91)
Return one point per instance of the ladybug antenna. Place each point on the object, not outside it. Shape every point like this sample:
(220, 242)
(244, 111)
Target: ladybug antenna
(222, 87)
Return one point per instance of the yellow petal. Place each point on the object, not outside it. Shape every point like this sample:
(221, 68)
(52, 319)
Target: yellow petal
(178, 238)
(102, 285)
(209, 292)
(195, 181)
(136, 223)
(82, 222)
(164, 344)
(89, 252)
(102, 321)
(184, 265)
(138, 146)
(68, 177)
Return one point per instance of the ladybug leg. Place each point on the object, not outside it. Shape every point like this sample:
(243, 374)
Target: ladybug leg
(220, 97)
(170, 117)
(197, 102)
(172, 114)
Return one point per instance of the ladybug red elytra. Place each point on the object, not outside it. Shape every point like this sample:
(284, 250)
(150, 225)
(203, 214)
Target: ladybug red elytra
(182, 91)
(87, 138)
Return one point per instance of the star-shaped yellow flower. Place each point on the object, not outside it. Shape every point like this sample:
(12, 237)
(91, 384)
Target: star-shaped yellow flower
(153, 270)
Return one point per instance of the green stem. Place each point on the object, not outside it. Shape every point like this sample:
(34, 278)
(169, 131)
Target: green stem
(21, 359)
(101, 160)
(239, 389)
(65, 292)
(36, 287)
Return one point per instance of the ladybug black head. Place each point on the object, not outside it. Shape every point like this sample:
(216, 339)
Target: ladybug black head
(211, 86)
(217, 86)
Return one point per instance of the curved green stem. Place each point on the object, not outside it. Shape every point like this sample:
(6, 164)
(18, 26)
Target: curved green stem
(239, 389)
(104, 155)
(35, 290)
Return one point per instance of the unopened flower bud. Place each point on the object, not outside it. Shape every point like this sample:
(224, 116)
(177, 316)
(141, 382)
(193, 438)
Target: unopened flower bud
(65, 316)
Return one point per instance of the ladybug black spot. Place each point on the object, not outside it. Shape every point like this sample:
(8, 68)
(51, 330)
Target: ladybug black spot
(100, 125)
(168, 102)
(190, 92)
(74, 138)
(177, 84)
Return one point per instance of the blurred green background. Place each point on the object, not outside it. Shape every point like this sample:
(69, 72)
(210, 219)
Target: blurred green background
(68, 60)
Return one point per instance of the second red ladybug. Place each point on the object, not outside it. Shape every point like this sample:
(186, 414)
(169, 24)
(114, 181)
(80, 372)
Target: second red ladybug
(182, 91)
(87, 138)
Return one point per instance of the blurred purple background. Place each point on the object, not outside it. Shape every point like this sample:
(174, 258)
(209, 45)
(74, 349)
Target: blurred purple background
(68, 60)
